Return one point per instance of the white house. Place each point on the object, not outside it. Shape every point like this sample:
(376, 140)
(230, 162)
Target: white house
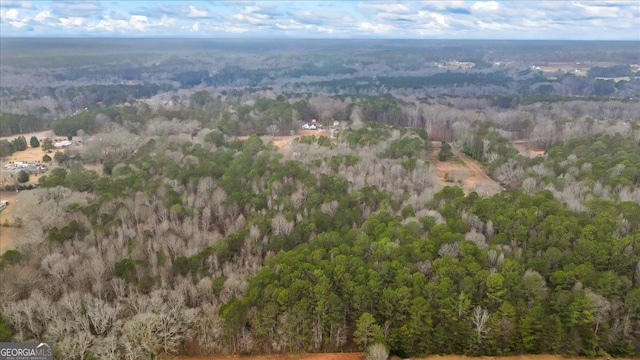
(62, 144)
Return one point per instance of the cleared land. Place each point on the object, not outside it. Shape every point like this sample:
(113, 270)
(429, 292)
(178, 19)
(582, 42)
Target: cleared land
(525, 148)
(8, 234)
(463, 172)
(284, 142)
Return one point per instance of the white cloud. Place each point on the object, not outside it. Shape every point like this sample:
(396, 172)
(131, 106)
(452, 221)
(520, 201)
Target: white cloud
(43, 15)
(583, 19)
(18, 24)
(166, 21)
(485, 6)
(138, 22)
(253, 19)
(377, 28)
(440, 19)
(597, 11)
(292, 25)
(385, 7)
(11, 14)
(443, 5)
(326, 30)
(495, 26)
(71, 22)
(106, 24)
(195, 13)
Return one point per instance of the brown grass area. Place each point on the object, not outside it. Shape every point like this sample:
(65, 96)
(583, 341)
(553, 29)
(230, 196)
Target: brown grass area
(566, 67)
(30, 154)
(8, 234)
(463, 172)
(525, 148)
(284, 142)
(21, 205)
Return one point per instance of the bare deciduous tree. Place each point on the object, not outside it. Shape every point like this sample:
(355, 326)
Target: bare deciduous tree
(280, 225)
(376, 352)
(101, 314)
(479, 319)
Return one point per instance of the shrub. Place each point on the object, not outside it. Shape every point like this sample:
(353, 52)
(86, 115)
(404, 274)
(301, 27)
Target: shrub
(446, 152)
(376, 352)
(34, 142)
(23, 177)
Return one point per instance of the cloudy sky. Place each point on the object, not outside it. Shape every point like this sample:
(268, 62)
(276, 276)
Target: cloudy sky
(453, 19)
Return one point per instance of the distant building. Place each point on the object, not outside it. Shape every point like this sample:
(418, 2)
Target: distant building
(62, 144)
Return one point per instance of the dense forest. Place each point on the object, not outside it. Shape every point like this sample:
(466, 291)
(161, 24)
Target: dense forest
(200, 236)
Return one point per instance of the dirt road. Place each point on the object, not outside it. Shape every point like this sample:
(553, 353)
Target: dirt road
(471, 164)
(484, 185)
(464, 172)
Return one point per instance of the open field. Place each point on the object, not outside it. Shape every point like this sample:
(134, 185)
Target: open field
(8, 234)
(283, 142)
(525, 148)
(578, 69)
(30, 154)
(463, 172)
(21, 205)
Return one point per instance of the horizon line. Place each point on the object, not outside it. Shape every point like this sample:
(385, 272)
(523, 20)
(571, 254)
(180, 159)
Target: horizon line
(164, 37)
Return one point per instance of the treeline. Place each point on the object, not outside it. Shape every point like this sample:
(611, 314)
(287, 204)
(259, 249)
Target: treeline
(612, 71)
(109, 95)
(482, 282)
(20, 124)
(445, 79)
(526, 88)
(9, 147)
